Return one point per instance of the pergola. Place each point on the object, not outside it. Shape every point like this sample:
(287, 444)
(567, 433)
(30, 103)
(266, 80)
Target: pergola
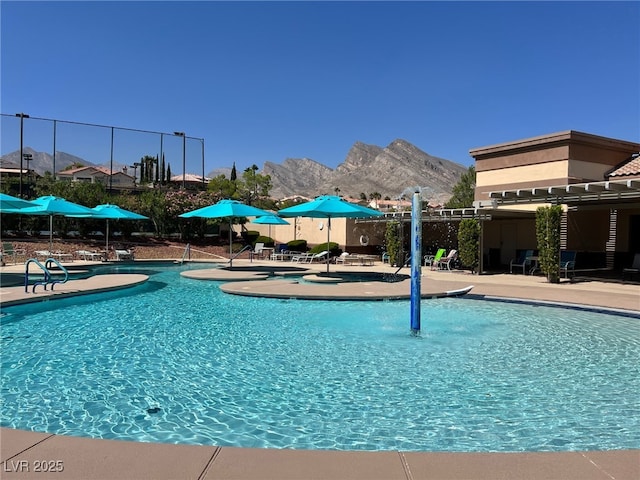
(613, 191)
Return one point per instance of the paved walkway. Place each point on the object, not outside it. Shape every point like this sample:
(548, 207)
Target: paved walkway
(27, 455)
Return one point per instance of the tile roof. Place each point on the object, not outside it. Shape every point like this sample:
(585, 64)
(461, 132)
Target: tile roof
(626, 168)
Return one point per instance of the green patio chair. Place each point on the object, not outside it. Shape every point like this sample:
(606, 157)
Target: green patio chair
(9, 251)
(434, 259)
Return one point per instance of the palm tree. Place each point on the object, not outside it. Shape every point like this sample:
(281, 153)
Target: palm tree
(375, 196)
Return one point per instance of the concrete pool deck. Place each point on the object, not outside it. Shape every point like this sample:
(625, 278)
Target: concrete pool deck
(23, 454)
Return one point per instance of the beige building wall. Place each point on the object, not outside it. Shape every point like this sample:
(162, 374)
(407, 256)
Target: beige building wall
(556, 159)
(345, 232)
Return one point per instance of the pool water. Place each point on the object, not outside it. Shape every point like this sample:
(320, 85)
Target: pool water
(177, 361)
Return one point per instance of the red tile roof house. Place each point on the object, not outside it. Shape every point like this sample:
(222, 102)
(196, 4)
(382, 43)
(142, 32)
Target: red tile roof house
(116, 179)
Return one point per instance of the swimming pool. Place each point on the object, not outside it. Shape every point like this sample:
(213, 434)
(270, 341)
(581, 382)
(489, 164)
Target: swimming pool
(177, 361)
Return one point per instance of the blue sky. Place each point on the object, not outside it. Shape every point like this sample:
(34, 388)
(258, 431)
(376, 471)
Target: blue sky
(266, 81)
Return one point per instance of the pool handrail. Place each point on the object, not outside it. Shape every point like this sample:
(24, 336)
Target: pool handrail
(244, 249)
(186, 253)
(48, 276)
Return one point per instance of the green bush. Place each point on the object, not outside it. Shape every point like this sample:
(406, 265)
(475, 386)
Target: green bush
(334, 249)
(548, 236)
(268, 241)
(392, 240)
(250, 236)
(297, 245)
(469, 243)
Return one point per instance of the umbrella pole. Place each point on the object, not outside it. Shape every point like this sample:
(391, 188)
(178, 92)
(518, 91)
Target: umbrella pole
(328, 233)
(230, 245)
(50, 233)
(107, 247)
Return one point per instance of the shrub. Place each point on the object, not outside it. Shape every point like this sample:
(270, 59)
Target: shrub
(469, 243)
(250, 236)
(268, 241)
(334, 249)
(297, 245)
(548, 236)
(392, 240)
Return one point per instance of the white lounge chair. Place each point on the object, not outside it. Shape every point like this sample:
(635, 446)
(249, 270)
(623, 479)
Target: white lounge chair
(342, 258)
(446, 261)
(88, 255)
(319, 257)
(310, 257)
(124, 255)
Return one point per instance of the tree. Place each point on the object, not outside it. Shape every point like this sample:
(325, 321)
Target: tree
(254, 188)
(464, 190)
(234, 173)
(222, 187)
(375, 196)
(147, 168)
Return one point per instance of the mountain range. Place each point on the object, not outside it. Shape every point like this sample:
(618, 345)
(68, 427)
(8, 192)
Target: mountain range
(41, 162)
(398, 169)
(395, 170)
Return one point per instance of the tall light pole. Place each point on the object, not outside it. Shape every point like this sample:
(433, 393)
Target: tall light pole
(27, 158)
(135, 171)
(204, 185)
(184, 156)
(22, 117)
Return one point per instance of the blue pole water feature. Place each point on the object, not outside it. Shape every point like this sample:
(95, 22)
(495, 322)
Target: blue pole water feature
(416, 264)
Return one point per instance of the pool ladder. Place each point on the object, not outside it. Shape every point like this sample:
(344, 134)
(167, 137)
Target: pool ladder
(48, 275)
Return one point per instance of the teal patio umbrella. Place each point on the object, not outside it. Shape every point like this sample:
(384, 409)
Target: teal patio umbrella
(270, 219)
(329, 206)
(9, 204)
(109, 211)
(52, 206)
(226, 209)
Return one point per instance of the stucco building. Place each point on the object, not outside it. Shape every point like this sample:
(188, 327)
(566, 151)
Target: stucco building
(596, 180)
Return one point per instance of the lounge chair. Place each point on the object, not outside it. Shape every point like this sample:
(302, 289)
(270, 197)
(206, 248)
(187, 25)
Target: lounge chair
(319, 257)
(9, 251)
(300, 257)
(634, 269)
(446, 261)
(88, 255)
(523, 261)
(124, 255)
(567, 262)
(431, 259)
(342, 258)
(43, 254)
(258, 250)
(61, 256)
